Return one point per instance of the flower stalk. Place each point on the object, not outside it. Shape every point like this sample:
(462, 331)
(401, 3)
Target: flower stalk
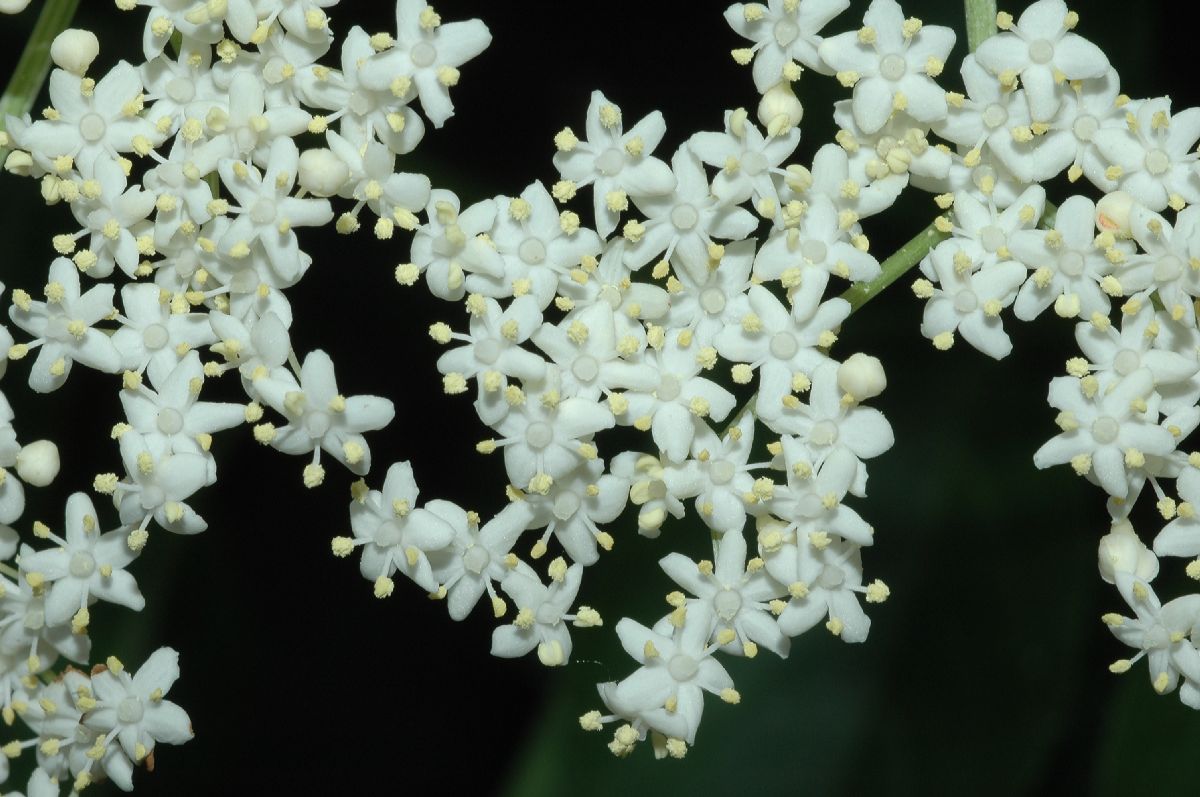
(981, 21)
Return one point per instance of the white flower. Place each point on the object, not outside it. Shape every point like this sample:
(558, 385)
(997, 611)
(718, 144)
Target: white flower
(824, 578)
(426, 52)
(617, 164)
(781, 31)
(1116, 354)
(174, 415)
(1153, 157)
(539, 248)
(819, 243)
(585, 346)
(87, 565)
(542, 615)
(1162, 634)
(1091, 106)
(1106, 433)
(268, 213)
(890, 63)
(1000, 120)
(1165, 267)
(718, 475)
(395, 534)
(133, 709)
(827, 425)
(1042, 52)
(784, 343)
(321, 419)
(1181, 537)
(151, 336)
(1067, 266)
(493, 344)
(63, 327)
(90, 126)
(682, 224)
(27, 637)
(573, 508)
(667, 691)
(374, 183)
(747, 159)
(811, 503)
(678, 400)
(477, 557)
(452, 243)
(648, 490)
(365, 114)
(158, 486)
(610, 280)
(737, 596)
(115, 218)
(719, 301)
(969, 301)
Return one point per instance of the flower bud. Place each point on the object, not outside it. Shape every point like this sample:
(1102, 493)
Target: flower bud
(37, 463)
(1113, 212)
(322, 173)
(74, 50)
(862, 377)
(779, 110)
(13, 6)
(1122, 551)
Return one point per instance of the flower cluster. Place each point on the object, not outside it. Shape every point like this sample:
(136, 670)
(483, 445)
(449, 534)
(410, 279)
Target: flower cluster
(184, 177)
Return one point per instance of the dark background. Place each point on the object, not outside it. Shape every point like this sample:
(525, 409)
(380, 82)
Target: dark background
(985, 672)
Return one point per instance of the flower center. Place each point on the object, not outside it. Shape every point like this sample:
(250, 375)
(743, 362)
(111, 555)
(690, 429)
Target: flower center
(995, 115)
(155, 337)
(359, 104)
(423, 55)
(152, 496)
(181, 90)
(814, 252)
(965, 301)
(34, 619)
(585, 368)
(754, 163)
(92, 127)
(831, 577)
(612, 295)
(893, 67)
(668, 388)
(317, 423)
(566, 505)
(263, 212)
(487, 351)
(1157, 162)
(786, 32)
(1126, 362)
(1071, 263)
(1168, 269)
(170, 421)
(727, 602)
(82, 565)
(809, 505)
(712, 300)
(476, 559)
(992, 238)
(682, 667)
(784, 346)
(130, 710)
(610, 162)
(721, 472)
(1085, 127)
(824, 433)
(538, 435)
(388, 534)
(1105, 430)
(684, 217)
(532, 251)
(1041, 51)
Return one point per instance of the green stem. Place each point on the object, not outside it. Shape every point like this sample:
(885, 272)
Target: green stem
(981, 21)
(894, 267)
(27, 80)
